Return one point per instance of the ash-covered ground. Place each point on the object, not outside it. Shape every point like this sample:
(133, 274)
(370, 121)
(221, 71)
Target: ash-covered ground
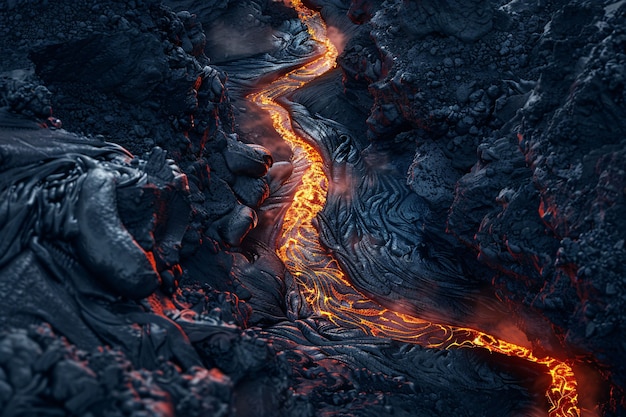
(140, 280)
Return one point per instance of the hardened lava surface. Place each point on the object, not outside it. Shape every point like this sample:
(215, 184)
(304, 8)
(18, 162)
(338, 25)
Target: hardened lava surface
(474, 160)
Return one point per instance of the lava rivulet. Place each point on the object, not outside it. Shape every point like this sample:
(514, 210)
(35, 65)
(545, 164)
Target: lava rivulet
(321, 280)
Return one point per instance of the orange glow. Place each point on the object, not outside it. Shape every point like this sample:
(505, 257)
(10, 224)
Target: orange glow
(322, 282)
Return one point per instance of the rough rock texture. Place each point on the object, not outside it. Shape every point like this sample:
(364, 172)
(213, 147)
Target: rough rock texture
(518, 138)
(41, 373)
(223, 21)
(134, 279)
(571, 138)
(465, 20)
(85, 221)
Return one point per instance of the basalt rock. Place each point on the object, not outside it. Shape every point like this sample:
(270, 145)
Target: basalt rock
(361, 11)
(146, 60)
(103, 244)
(238, 223)
(513, 114)
(570, 141)
(361, 60)
(52, 375)
(463, 130)
(223, 21)
(62, 229)
(252, 160)
(251, 191)
(22, 94)
(465, 20)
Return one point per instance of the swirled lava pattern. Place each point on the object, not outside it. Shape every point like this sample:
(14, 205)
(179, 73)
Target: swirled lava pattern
(321, 280)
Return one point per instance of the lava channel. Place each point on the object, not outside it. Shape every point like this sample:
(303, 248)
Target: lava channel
(321, 280)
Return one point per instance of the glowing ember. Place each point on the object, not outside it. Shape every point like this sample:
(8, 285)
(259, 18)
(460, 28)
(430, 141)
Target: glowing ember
(322, 282)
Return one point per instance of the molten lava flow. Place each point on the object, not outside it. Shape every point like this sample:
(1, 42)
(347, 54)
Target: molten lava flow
(321, 280)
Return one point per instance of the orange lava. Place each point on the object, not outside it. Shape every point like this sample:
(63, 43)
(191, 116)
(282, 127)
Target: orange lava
(322, 282)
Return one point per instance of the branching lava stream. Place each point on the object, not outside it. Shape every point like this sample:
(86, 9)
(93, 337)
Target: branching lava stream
(321, 280)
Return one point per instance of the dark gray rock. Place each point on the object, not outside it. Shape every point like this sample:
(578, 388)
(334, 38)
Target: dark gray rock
(466, 20)
(508, 130)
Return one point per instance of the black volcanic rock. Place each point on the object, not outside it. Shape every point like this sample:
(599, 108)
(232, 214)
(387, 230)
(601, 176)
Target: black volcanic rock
(571, 139)
(223, 21)
(568, 183)
(529, 118)
(465, 20)
(54, 376)
(108, 64)
(492, 135)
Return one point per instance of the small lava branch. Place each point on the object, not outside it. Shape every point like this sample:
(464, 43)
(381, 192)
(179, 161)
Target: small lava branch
(321, 280)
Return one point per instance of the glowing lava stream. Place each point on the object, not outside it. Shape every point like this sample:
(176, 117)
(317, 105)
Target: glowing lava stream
(321, 280)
